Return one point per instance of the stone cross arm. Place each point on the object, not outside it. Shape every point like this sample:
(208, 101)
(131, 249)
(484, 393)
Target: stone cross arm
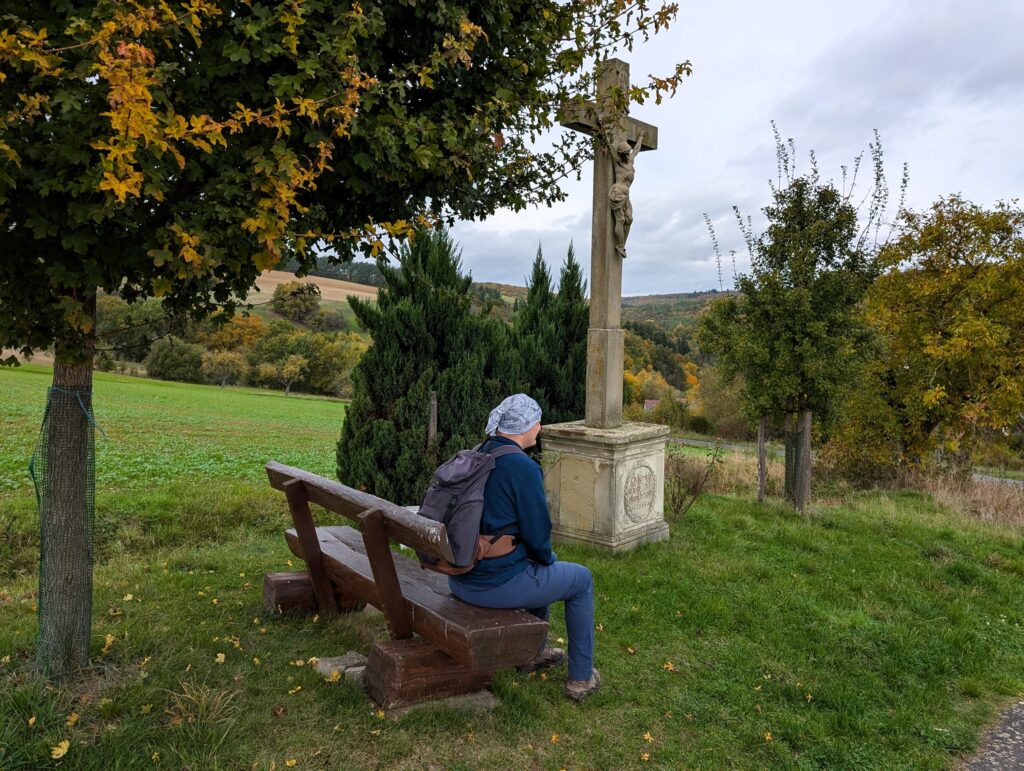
(583, 117)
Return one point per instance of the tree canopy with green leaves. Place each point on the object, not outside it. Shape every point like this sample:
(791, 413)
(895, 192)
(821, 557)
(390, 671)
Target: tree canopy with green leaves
(176, 151)
(792, 331)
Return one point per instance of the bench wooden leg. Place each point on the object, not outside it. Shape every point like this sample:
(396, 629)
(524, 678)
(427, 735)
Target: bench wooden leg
(292, 592)
(402, 672)
(298, 504)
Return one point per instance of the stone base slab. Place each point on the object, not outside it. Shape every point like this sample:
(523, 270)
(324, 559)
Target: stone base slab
(605, 486)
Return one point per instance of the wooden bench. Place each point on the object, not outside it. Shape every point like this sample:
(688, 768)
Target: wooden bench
(439, 646)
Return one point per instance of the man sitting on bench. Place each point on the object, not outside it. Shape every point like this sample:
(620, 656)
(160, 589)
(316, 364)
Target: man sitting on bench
(530, 577)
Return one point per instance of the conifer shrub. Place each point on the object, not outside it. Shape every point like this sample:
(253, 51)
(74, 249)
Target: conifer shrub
(425, 339)
(550, 331)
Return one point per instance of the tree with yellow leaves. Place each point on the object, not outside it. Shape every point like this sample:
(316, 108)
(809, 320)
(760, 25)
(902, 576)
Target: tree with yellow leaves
(177, 149)
(948, 311)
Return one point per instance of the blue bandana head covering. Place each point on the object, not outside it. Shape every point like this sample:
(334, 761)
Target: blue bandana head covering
(516, 415)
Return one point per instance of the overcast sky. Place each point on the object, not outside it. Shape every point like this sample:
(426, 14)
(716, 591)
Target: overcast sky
(942, 80)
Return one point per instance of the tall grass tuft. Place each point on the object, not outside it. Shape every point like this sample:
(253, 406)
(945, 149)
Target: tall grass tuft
(986, 500)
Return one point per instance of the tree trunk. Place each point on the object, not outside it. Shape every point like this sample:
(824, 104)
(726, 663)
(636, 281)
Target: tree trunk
(798, 458)
(287, 388)
(66, 505)
(803, 468)
(792, 442)
(762, 460)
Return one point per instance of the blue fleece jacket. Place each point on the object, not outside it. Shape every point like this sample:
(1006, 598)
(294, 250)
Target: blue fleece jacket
(514, 499)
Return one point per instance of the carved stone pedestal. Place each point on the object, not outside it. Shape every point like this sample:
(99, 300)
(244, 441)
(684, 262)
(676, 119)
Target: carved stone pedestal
(606, 486)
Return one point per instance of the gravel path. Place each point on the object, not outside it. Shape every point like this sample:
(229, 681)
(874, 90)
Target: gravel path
(1002, 749)
(747, 448)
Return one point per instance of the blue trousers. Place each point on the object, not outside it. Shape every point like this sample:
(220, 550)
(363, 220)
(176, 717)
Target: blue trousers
(534, 590)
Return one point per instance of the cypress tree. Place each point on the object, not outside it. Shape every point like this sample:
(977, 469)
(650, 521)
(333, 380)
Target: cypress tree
(571, 319)
(532, 328)
(425, 338)
(551, 335)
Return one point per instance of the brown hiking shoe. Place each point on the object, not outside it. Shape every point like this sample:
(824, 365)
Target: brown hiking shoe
(578, 690)
(548, 657)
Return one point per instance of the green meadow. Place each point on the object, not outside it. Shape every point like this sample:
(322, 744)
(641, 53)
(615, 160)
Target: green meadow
(882, 631)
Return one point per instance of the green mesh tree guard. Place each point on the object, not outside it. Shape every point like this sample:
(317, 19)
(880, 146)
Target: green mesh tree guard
(63, 470)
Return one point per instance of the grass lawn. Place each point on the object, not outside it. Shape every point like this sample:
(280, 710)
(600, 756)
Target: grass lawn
(881, 632)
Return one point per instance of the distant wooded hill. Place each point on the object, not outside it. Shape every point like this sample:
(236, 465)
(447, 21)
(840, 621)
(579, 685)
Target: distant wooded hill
(669, 310)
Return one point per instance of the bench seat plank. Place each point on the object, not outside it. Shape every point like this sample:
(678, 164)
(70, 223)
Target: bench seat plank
(483, 638)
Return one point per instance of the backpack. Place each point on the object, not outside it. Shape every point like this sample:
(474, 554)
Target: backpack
(455, 498)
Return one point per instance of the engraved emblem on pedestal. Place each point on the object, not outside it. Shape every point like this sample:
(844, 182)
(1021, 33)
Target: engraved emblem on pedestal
(639, 493)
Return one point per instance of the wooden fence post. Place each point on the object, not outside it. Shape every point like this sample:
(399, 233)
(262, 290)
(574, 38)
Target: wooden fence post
(762, 460)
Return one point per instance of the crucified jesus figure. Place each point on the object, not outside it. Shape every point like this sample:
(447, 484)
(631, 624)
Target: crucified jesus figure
(622, 209)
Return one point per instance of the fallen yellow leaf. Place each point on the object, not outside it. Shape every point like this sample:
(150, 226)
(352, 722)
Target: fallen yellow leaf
(767, 736)
(256, 622)
(669, 666)
(219, 658)
(645, 756)
(295, 690)
(297, 663)
(72, 719)
(155, 757)
(290, 762)
(554, 738)
(648, 737)
(380, 714)
(334, 677)
(316, 618)
(809, 698)
(145, 709)
(128, 597)
(60, 750)
(631, 651)
(255, 661)
(31, 721)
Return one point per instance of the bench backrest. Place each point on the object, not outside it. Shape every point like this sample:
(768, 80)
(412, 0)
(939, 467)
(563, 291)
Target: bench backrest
(403, 526)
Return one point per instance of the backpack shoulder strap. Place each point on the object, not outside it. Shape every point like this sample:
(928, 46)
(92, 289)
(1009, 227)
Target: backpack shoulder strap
(504, 449)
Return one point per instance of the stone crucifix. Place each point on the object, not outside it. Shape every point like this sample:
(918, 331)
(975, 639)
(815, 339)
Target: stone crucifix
(617, 140)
